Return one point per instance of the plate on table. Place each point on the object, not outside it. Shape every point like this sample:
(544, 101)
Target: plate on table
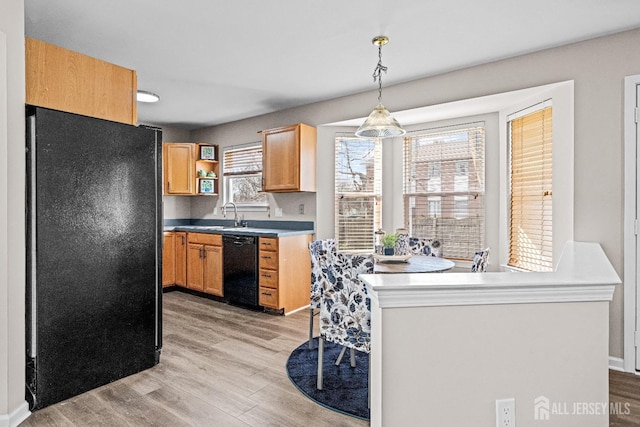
(392, 258)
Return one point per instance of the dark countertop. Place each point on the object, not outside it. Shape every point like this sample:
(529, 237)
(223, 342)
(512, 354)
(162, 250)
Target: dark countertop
(254, 227)
(238, 231)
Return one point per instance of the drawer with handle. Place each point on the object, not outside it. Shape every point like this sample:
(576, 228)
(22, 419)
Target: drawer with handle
(268, 278)
(268, 244)
(268, 297)
(267, 259)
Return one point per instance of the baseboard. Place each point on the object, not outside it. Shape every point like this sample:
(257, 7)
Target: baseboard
(14, 419)
(616, 363)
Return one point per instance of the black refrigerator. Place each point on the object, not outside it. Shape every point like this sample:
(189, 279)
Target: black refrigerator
(94, 250)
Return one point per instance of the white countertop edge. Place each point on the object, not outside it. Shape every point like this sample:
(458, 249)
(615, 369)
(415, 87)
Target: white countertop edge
(438, 296)
(584, 274)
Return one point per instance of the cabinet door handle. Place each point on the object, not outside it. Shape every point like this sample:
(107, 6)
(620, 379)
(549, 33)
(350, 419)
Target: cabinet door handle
(265, 257)
(200, 253)
(268, 276)
(182, 237)
(266, 294)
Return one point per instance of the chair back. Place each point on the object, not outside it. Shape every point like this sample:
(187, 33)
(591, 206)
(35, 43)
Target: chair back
(345, 312)
(480, 261)
(321, 253)
(427, 247)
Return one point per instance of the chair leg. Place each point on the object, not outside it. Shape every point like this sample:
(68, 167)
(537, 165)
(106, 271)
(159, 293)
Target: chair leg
(339, 359)
(353, 358)
(311, 329)
(320, 360)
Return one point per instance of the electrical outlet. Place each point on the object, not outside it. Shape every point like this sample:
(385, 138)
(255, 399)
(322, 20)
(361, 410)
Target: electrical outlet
(301, 208)
(215, 211)
(506, 412)
(278, 211)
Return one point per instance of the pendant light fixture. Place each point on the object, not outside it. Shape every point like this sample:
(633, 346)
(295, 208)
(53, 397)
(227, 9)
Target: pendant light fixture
(380, 123)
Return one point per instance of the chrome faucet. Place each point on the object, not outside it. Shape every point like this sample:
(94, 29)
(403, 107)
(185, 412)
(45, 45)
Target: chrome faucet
(236, 220)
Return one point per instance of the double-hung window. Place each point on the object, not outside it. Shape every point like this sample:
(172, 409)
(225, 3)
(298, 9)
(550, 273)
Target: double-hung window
(444, 189)
(531, 195)
(243, 177)
(358, 191)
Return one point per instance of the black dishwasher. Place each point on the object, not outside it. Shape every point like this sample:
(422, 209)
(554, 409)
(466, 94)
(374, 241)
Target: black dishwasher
(240, 267)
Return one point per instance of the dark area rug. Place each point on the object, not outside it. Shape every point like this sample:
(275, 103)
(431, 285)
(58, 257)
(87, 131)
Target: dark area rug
(344, 388)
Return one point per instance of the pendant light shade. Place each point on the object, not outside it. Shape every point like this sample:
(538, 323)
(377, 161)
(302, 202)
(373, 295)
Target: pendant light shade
(380, 123)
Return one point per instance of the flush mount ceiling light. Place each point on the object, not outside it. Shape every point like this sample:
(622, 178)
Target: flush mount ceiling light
(380, 123)
(144, 96)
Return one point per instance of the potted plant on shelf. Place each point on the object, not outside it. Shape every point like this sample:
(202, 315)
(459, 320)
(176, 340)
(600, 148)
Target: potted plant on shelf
(389, 242)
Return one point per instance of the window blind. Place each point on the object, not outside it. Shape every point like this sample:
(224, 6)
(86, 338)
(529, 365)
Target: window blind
(243, 160)
(444, 189)
(531, 200)
(242, 172)
(358, 189)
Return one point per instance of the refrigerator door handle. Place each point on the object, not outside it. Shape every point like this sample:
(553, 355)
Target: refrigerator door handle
(31, 130)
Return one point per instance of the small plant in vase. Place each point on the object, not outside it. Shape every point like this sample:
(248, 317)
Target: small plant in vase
(389, 242)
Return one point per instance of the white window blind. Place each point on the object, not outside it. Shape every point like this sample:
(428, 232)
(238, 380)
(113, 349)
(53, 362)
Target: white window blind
(444, 189)
(358, 189)
(242, 173)
(531, 200)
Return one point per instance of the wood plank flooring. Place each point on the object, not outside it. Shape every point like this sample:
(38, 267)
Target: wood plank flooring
(225, 366)
(624, 396)
(220, 366)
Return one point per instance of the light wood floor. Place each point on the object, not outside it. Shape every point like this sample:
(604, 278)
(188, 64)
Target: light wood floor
(624, 394)
(220, 366)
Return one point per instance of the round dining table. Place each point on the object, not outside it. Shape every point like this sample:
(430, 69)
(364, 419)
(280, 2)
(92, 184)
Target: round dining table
(415, 264)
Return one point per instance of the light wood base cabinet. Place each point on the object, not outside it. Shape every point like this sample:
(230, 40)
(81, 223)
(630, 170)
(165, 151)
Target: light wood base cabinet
(204, 263)
(174, 259)
(168, 259)
(181, 258)
(284, 272)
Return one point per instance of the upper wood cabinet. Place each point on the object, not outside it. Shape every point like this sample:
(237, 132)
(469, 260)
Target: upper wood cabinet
(289, 159)
(64, 80)
(181, 164)
(178, 168)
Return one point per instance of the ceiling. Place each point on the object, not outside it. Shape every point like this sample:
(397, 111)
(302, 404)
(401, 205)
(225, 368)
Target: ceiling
(214, 61)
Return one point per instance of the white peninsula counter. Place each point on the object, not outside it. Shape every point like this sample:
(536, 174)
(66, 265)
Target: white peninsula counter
(446, 346)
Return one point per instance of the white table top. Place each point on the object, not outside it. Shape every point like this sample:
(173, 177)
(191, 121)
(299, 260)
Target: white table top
(415, 264)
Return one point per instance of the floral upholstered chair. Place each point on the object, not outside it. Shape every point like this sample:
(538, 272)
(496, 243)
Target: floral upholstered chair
(345, 309)
(422, 246)
(321, 253)
(480, 261)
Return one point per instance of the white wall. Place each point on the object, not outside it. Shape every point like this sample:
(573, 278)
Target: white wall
(597, 67)
(12, 208)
